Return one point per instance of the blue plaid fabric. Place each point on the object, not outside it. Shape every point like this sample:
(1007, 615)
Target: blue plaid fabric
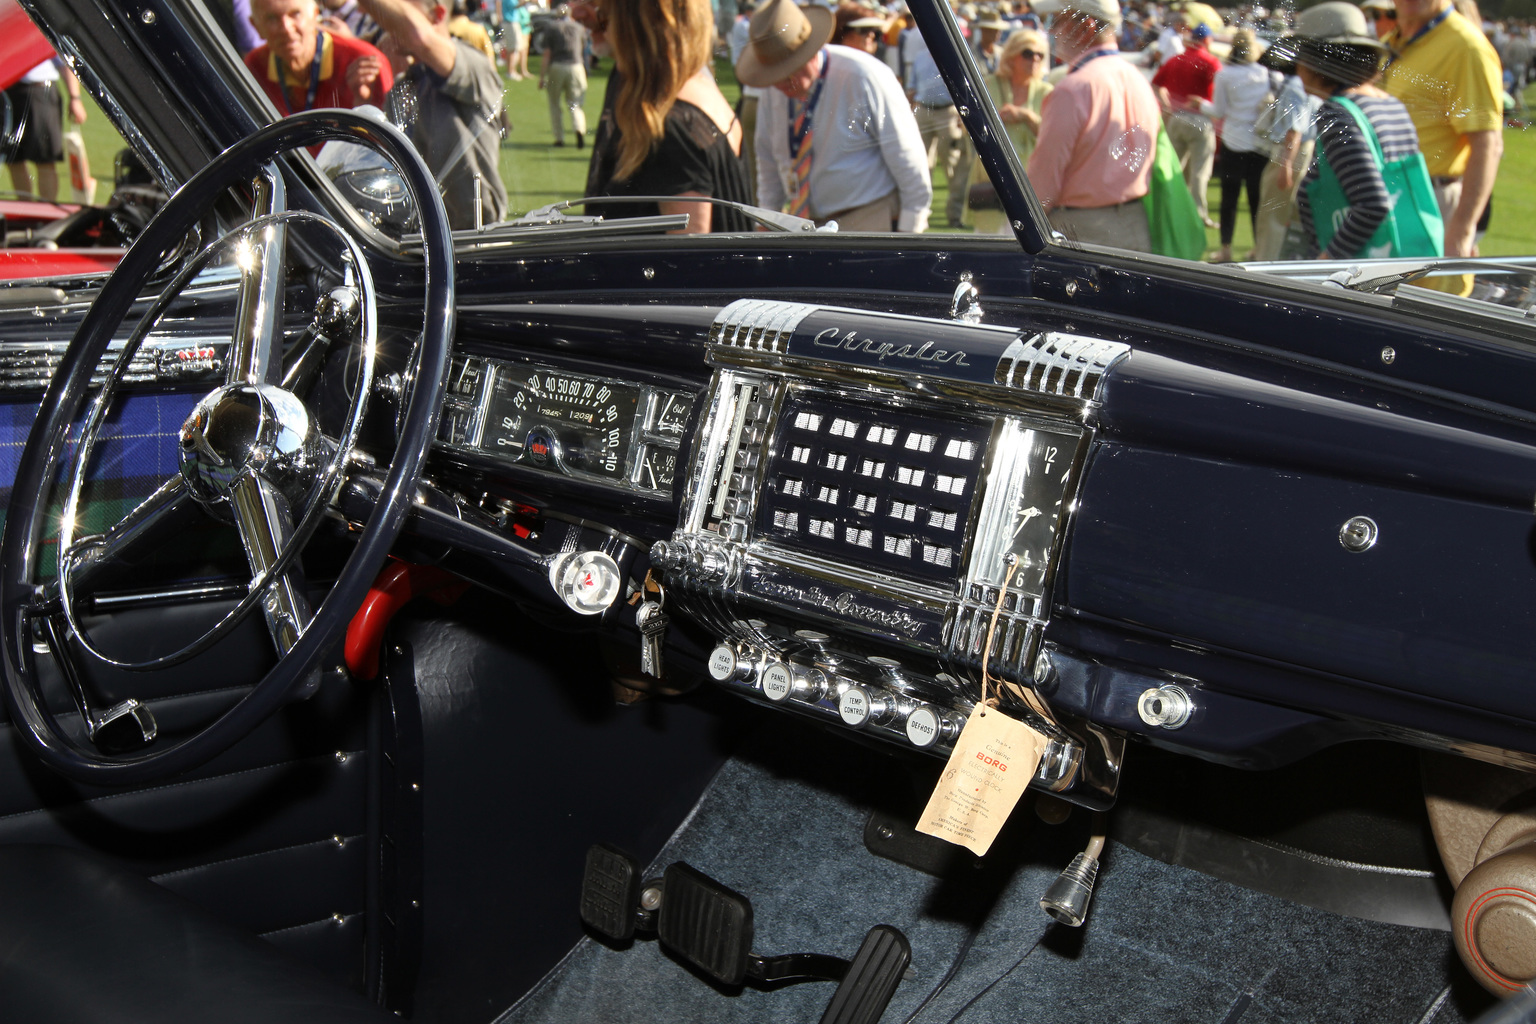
(134, 455)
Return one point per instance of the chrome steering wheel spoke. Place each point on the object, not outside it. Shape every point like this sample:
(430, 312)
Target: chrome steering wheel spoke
(255, 354)
(161, 515)
(266, 526)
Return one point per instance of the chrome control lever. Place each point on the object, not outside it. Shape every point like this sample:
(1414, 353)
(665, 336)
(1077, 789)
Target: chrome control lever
(120, 729)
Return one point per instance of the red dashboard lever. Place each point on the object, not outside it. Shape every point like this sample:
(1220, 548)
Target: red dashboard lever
(396, 584)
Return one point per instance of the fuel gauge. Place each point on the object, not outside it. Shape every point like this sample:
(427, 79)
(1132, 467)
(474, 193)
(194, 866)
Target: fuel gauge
(657, 468)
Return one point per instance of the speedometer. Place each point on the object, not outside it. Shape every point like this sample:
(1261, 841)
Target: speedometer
(561, 420)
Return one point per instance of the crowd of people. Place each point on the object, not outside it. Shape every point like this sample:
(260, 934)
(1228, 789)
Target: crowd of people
(1325, 124)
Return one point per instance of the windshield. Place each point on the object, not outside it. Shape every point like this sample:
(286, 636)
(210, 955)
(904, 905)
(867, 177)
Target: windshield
(1307, 143)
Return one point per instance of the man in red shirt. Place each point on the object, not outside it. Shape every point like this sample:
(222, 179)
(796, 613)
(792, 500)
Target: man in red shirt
(301, 66)
(1181, 83)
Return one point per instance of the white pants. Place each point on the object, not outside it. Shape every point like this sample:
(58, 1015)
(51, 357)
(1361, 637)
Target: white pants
(567, 88)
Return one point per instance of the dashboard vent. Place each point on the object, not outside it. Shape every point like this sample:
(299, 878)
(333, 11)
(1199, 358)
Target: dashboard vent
(759, 325)
(1064, 365)
(29, 366)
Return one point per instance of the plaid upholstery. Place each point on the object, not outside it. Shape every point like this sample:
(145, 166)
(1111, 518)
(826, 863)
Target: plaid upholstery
(134, 455)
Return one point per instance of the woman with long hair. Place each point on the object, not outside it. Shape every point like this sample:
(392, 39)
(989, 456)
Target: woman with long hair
(1239, 95)
(666, 129)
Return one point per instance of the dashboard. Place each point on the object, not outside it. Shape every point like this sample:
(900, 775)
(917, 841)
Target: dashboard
(870, 507)
(875, 520)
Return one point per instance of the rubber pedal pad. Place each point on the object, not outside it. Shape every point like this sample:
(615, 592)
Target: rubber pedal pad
(705, 923)
(610, 892)
(877, 969)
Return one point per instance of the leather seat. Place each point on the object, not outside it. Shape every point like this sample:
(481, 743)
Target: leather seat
(82, 940)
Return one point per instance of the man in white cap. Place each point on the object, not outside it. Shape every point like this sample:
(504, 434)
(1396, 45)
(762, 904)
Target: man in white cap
(1093, 157)
(836, 139)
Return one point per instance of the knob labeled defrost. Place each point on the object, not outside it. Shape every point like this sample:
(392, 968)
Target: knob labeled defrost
(924, 727)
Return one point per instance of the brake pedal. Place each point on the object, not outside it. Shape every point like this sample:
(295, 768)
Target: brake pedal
(877, 969)
(709, 925)
(610, 892)
(706, 923)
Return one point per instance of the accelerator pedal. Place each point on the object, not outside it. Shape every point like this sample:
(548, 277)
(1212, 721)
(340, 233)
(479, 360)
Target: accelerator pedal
(877, 969)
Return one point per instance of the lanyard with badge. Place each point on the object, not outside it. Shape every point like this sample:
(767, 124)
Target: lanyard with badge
(1094, 55)
(314, 76)
(800, 125)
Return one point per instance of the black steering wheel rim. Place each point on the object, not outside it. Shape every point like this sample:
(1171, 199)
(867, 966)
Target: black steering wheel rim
(66, 394)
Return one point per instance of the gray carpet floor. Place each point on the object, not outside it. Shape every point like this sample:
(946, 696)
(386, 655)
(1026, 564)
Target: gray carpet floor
(1162, 943)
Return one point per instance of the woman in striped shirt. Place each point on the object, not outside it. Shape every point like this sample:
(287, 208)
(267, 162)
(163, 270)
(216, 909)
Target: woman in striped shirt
(1337, 58)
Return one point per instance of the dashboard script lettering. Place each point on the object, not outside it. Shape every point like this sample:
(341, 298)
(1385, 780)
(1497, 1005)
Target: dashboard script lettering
(832, 337)
(844, 604)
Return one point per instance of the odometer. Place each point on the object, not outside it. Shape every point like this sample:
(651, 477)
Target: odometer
(561, 420)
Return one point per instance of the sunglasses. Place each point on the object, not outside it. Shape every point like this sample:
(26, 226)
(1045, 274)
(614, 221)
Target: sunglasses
(1032, 54)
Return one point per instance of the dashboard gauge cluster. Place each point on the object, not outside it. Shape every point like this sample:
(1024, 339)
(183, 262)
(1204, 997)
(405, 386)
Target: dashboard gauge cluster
(599, 428)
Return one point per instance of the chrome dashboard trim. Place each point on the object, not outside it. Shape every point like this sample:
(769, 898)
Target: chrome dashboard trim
(1028, 399)
(161, 359)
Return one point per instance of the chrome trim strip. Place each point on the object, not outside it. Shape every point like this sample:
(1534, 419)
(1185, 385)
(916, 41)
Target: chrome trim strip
(1054, 363)
(30, 365)
(758, 324)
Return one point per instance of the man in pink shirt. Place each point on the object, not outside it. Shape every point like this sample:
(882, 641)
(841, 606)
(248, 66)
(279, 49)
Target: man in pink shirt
(1094, 154)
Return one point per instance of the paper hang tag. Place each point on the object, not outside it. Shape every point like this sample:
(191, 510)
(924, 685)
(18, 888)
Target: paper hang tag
(994, 760)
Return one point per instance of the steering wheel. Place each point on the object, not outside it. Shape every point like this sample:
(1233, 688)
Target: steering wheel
(250, 452)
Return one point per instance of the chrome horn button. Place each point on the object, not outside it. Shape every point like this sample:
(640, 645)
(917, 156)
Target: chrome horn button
(255, 429)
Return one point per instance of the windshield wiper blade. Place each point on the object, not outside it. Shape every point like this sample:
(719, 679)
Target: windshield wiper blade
(1381, 284)
(768, 218)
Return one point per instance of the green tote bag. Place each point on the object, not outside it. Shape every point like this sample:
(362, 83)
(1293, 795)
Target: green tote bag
(1412, 227)
(1172, 219)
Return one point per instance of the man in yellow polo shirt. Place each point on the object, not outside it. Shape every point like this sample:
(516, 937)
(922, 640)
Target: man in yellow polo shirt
(1448, 76)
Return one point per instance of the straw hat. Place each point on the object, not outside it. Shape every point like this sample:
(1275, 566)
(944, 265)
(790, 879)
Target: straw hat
(1333, 40)
(782, 38)
(1336, 23)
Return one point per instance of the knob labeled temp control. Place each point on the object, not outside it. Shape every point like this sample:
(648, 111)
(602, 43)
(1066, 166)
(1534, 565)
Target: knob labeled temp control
(859, 706)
